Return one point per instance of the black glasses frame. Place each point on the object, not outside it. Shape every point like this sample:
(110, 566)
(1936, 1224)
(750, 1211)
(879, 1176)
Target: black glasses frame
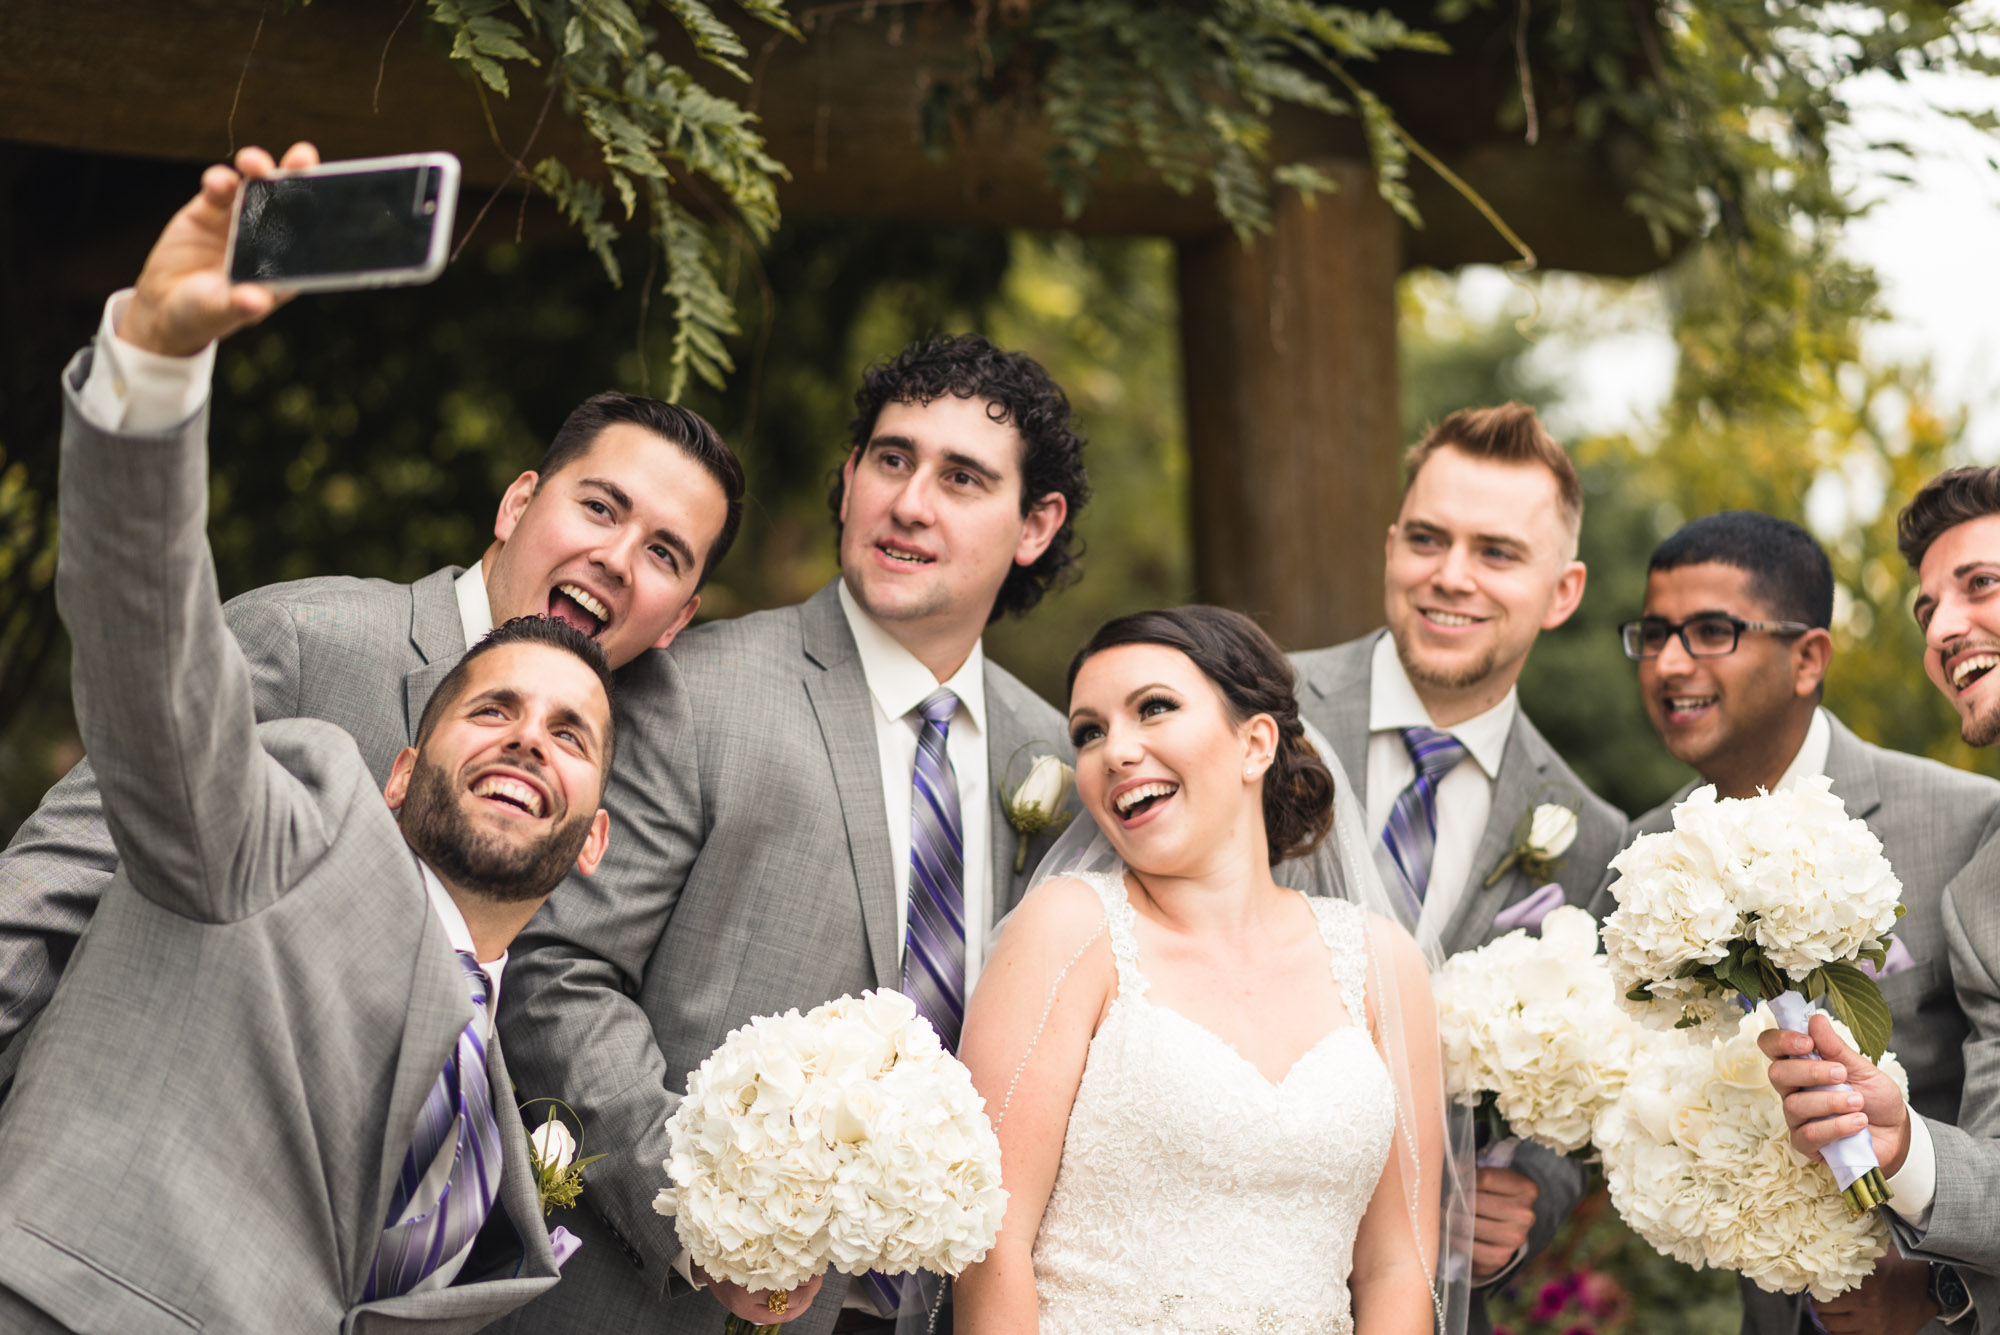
(1635, 649)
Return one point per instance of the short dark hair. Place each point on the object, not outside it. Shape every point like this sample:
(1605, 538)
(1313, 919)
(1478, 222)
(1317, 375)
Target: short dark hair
(1020, 394)
(669, 421)
(546, 631)
(1955, 496)
(1254, 677)
(1788, 568)
(1510, 434)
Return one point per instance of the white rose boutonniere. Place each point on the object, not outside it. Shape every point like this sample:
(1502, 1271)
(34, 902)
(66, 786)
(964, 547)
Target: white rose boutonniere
(552, 1154)
(1036, 804)
(1545, 835)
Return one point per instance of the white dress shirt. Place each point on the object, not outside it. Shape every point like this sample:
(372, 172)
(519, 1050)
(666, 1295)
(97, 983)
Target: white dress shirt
(134, 392)
(1811, 757)
(898, 683)
(1464, 795)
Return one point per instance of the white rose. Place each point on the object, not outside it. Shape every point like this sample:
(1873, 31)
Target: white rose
(1045, 789)
(1551, 830)
(554, 1146)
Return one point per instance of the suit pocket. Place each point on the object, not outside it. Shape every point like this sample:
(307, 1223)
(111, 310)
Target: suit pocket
(83, 1294)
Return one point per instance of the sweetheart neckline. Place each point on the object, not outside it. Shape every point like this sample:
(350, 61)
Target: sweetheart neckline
(1274, 1086)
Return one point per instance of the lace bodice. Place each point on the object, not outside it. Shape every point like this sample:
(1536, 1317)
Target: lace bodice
(1193, 1194)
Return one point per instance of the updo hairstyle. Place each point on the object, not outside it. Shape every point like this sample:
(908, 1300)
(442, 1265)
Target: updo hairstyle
(1235, 654)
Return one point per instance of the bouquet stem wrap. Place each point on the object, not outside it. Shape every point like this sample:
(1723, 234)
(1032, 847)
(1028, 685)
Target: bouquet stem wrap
(1852, 1158)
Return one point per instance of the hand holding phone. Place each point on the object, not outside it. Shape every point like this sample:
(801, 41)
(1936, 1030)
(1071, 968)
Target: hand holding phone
(372, 222)
(185, 300)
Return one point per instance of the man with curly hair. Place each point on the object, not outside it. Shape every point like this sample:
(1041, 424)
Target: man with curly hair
(809, 804)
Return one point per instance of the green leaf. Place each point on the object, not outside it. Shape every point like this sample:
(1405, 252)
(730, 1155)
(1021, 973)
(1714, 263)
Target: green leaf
(1856, 1002)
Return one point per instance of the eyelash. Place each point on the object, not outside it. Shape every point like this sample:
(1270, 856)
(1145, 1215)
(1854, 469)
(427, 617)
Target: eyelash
(1088, 732)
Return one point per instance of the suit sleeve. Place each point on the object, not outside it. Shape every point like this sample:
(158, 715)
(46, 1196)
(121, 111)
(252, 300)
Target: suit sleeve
(1961, 1229)
(195, 809)
(54, 871)
(570, 1015)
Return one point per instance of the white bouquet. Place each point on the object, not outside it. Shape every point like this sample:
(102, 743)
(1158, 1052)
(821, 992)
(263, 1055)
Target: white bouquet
(1699, 1164)
(1756, 896)
(1533, 1029)
(845, 1138)
(1772, 898)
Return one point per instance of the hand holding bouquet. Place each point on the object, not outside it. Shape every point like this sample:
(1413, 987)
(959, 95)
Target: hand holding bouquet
(1762, 898)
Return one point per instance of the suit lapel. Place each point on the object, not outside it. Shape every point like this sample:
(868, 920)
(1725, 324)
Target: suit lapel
(1514, 787)
(1852, 771)
(518, 1195)
(437, 632)
(440, 1008)
(1003, 738)
(1342, 687)
(846, 715)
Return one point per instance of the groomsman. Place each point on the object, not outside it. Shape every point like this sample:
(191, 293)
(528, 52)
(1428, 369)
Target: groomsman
(809, 803)
(267, 1096)
(634, 503)
(1423, 714)
(1944, 1177)
(1732, 650)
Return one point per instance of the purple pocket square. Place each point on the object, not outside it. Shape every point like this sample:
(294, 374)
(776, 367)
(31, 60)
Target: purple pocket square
(1530, 911)
(563, 1243)
(1899, 959)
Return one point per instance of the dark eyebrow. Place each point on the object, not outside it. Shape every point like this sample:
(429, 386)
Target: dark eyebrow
(1971, 566)
(953, 457)
(495, 695)
(624, 502)
(1082, 711)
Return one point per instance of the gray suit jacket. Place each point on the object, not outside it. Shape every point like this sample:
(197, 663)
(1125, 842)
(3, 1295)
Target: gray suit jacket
(749, 872)
(363, 654)
(1334, 689)
(209, 1118)
(1963, 1229)
(1932, 821)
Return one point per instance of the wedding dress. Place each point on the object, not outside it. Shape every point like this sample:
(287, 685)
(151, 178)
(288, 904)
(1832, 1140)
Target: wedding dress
(1193, 1194)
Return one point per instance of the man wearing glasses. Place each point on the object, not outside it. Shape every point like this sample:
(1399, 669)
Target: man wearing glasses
(1732, 651)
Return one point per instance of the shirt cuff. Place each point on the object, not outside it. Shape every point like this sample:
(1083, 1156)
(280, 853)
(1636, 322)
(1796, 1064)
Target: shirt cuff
(684, 1267)
(134, 392)
(1915, 1184)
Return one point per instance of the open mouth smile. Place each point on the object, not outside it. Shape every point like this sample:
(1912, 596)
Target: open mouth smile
(1971, 668)
(1444, 620)
(576, 606)
(903, 556)
(504, 790)
(1132, 805)
(1684, 707)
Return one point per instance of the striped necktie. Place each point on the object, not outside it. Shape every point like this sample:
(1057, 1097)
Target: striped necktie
(1410, 836)
(934, 946)
(452, 1171)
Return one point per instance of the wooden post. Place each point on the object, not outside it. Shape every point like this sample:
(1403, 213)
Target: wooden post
(1292, 411)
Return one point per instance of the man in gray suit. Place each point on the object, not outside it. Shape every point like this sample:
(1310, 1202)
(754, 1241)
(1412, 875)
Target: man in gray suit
(1732, 649)
(773, 813)
(266, 1096)
(633, 505)
(1944, 1176)
(1423, 715)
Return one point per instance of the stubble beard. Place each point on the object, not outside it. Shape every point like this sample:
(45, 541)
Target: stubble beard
(438, 828)
(1982, 728)
(1444, 679)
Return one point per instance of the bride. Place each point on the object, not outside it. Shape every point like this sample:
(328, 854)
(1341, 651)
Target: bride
(1218, 1101)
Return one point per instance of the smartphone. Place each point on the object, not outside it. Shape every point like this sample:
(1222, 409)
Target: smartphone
(372, 222)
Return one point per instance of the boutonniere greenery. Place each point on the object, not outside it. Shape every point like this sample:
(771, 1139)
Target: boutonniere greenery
(552, 1153)
(1544, 834)
(1036, 804)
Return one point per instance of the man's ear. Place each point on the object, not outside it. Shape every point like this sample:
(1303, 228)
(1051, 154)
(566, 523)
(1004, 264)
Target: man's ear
(680, 623)
(398, 786)
(595, 842)
(1569, 592)
(847, 482)
(1040, 526)
(513, 502)
(1811, 657)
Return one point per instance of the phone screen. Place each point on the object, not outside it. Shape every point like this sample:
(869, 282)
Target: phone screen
(295, 227)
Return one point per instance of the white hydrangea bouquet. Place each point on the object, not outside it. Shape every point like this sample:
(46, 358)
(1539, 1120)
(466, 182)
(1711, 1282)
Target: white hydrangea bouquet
(1771, 898)
(1698, 1163)
(1533, 1034)
(844, 1138)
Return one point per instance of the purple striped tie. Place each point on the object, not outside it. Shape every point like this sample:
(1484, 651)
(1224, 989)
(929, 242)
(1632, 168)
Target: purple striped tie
(452, 1171)
(934, 947)
(1410, 836)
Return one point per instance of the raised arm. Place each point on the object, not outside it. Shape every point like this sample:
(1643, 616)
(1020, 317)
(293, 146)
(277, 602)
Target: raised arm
(1026, 1056)
(163, 695)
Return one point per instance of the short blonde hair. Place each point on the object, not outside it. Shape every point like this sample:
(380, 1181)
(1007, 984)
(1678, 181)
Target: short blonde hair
(1508, 434)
